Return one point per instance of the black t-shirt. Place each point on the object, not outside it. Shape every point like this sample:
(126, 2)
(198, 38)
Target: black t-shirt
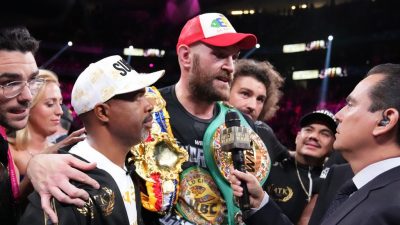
(188, 130)
(287, 186)
(276, 150)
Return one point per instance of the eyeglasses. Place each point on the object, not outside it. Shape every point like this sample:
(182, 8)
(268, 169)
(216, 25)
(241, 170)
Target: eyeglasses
(14, 88)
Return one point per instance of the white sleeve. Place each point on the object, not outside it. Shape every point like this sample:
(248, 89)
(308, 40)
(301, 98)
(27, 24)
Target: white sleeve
(263, 203)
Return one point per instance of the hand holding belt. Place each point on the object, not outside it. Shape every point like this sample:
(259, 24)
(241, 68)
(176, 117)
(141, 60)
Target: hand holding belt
(219, 163)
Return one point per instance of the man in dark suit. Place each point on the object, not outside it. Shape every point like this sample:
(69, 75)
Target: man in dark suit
(369, 139)
(330, 181)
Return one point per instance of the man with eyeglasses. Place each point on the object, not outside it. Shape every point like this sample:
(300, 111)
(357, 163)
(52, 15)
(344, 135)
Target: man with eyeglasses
(14, 88)
(49, 173)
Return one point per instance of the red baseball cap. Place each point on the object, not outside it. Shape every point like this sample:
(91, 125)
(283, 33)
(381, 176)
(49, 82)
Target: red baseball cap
(216, 30)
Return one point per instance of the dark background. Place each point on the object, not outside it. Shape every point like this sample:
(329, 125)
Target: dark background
(366, 33)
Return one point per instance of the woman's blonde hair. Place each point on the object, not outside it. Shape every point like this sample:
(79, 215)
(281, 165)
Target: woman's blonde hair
(22, 136)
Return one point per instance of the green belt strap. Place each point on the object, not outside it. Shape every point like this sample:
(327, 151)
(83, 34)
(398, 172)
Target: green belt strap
(222, 184)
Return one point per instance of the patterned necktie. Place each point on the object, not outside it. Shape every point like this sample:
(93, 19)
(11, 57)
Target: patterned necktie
(343, 194)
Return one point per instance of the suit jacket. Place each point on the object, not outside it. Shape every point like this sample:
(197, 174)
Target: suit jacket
(378, 202)
(270, 214)
(337, 176)
(104, 207)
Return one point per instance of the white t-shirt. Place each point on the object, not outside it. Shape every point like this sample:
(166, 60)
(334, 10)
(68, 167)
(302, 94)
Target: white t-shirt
(124, 181)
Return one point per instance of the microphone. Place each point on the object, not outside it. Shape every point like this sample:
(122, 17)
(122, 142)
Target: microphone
(236, 139)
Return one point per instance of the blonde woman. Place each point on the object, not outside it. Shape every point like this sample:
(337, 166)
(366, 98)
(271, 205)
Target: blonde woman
(44, 119)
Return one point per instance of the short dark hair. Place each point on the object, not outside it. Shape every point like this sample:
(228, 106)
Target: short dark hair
(385, 94)
(18, 39)
(266, 73)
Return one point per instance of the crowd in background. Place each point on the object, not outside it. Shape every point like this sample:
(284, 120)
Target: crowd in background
(193, 110)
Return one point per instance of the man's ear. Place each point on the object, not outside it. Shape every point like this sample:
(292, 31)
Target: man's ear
(297, 137)
(184, 57)
(387, 123)
(102, 111)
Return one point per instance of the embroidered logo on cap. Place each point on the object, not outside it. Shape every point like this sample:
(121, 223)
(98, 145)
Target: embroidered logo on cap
(106, 78)
(215, 24)
(122, 66)
(326, 112)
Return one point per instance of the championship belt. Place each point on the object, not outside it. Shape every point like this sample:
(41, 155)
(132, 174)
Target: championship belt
(200, 201)
(158, 160)
(257, 161)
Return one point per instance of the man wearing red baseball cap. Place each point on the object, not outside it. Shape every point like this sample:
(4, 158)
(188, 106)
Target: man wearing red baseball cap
(207, 48)
(214, 29)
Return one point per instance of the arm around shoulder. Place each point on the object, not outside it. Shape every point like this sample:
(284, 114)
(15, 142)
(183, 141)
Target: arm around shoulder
(34, 214)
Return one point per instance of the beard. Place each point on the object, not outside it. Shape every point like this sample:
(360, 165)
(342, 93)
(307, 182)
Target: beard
(10, 121)
(12, 124)
(201, 83)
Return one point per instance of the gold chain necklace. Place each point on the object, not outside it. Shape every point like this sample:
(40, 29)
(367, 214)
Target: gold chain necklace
(308, 193)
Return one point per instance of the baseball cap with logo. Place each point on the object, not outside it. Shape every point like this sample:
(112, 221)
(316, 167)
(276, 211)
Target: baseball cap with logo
(216, 30)
(104, 79)
(322, 115)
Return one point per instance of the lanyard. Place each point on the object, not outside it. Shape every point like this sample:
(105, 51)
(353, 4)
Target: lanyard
(11, 169)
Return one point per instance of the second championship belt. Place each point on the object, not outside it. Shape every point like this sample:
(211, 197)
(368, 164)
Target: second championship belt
(257, 161)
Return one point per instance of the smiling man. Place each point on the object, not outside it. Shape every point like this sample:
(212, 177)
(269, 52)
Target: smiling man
(18, 70)
(290, 183)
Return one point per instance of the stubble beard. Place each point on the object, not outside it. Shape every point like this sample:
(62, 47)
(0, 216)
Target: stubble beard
(201, 84)
(13, 125)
